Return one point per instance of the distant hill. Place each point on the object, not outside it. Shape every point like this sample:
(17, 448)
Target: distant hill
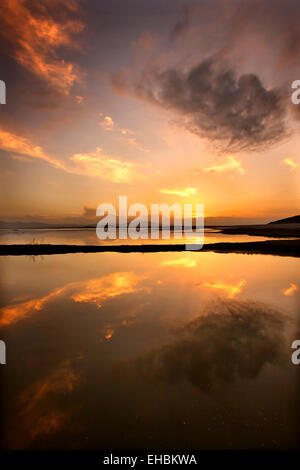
(289, 220)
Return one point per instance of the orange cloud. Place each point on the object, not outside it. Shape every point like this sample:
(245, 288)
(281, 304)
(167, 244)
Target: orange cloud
(62, 380)
(230, 289)
(79, 99)
(38, 409)
(16, 312)
(185, 192)
(127, 135)
(108, 332)
(13, 143)
(99, 290)
(35, 37)
(106, 167)
(290, 290)
(232, 164)
(128, 318)
(90, 164)
(182, 262)
(290, 162)
(92, 291)
(107, 123)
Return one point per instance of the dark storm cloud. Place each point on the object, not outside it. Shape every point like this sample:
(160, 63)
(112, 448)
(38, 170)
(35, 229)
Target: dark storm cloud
(212, 101)
(227, 73)
(234, 340)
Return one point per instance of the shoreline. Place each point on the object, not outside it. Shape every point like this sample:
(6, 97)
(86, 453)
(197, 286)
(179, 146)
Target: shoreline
(273, 230)
(268, 247)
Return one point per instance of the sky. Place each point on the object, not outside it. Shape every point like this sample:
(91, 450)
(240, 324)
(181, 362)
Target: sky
(163, 101)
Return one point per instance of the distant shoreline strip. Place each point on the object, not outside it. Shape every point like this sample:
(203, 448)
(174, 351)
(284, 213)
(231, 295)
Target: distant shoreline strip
(269, 247)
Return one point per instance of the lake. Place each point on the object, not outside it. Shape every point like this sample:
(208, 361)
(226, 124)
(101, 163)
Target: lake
(160, 350)
(81, 236)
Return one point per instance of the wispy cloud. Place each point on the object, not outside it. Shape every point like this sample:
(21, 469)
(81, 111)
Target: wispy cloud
(106, 167)
(41, 415)
(94, 164)
(107, 123)
(232, 164)
(35, 38)
(290, 162)
(14, 143)
(129, 138)
(290, 290)
(79, 99)
(182, 262)
(108, 332)
(230, 289)
(97, 291)
(127, 135)
(18, 311)
(184, 192)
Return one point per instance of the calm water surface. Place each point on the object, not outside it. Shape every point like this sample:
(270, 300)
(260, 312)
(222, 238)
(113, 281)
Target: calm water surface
(158, 350)
(89, 237)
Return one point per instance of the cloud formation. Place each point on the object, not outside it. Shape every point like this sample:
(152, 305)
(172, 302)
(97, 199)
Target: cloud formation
(211, 100)
(107, 123)
(36, 31)
(98, 164)
(94, 291)
(290, 162)
(127, 135)
(226, 76)
(97, 291)
(39, 411)
(232, 164)
(94, 164)
(290, 290)
(181, 263)
(11, 142)
(184, 192)
(233, 340)
(230, 289)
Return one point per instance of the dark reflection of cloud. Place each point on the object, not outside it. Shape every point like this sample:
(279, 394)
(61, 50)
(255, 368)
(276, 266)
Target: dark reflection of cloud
(44, 407)
(235, 340)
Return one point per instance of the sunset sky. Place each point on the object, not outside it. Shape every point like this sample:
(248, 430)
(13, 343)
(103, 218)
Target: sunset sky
(161, 100)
